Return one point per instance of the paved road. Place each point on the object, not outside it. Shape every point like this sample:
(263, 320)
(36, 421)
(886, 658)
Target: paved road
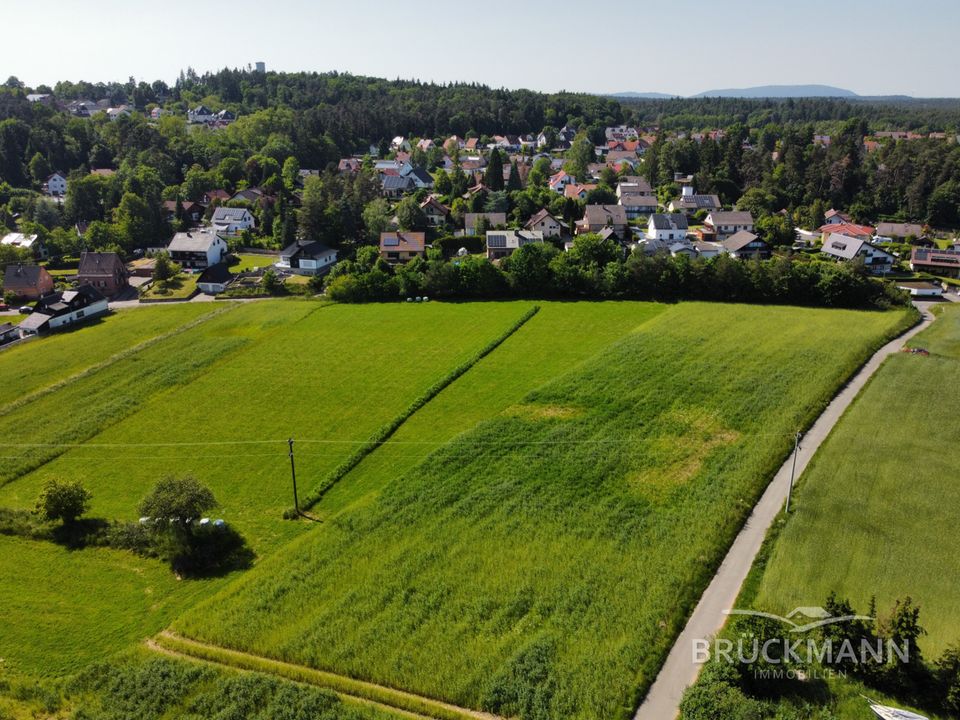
(680, 671)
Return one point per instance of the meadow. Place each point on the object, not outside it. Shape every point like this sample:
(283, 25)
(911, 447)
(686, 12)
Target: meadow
(540, 563)
(878, 509)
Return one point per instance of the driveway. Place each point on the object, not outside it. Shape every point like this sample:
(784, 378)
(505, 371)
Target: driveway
(681, 670)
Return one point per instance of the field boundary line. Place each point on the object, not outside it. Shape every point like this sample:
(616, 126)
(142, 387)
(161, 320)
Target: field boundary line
(387, 431)
(391, 699)
(115, 358)
(680, 671)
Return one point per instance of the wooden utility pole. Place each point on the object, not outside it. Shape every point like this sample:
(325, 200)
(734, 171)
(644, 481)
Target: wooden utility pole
(293, 476)
(793, 470)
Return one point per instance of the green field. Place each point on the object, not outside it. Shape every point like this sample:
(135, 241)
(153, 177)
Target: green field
(252, 261)
(540, 563)
(873, 506)
(180, 287)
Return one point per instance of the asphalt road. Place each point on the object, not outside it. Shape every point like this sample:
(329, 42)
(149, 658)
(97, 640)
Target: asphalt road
(681, 670)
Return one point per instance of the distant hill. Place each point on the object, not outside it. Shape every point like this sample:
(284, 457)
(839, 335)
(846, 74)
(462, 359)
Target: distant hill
(781, 91)
(644, 95)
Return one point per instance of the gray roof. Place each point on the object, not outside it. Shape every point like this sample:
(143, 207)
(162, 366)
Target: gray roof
(739, 240)
(638, 200)
(310, 249)
(669, 221)
(18, 276)
(842, 246)
(512, 239)
(35, 321)
(495, 219)
(192, 241)
(229, 214)
(731, 217)
(698, 202)
(395, 182)
(900, 230)
(605, 215)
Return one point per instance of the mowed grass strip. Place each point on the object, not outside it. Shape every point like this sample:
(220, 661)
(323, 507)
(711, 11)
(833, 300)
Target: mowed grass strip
(878, 510)
(383, 696)
(63, 610)
(560, 337)
(296, 369)
(48, 360)
(541, 564)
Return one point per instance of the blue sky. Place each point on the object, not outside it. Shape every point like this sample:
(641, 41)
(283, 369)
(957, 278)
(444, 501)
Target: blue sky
(680, 46)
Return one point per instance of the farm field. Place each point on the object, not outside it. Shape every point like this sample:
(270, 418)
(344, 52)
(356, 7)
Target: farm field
(555, 341)
(41, 363)
(881, 494)
(541, 563)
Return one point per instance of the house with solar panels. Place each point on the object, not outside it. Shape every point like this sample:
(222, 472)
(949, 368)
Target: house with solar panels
(690, 202)
(398, 247)
(502, 243)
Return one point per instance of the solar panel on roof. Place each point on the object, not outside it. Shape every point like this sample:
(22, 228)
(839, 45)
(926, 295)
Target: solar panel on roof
(391, 242)
(497, 241)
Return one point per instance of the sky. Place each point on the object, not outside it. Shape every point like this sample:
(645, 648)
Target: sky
(880, 47)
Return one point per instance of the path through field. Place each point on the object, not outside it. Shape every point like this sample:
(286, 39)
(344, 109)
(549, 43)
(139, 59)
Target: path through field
(681, 670)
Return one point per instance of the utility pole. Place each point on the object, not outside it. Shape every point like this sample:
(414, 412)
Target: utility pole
(293, 476)
(793, 470)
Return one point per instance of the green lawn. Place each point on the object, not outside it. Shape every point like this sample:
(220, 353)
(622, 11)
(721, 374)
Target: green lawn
(66, 609)
(878, 510)
(252, 261)
(541, 563)
(180, 287)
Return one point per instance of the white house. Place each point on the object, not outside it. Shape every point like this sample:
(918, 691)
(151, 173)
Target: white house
(231, 221)
(25, 242)
(501, 243)
(57, 184)
(636, 205)
(306, 258)
(201, 114)
(726, 224)
(559, 182)
(666, 227)
(545, 223)
(197, 249)
(845, 248)
(65, 308)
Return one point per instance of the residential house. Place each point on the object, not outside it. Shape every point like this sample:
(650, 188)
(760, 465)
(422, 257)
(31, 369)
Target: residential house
(225, 116)
(400, 143)
(57, 184)
(922, 289)
(26, 242)
(667, 227)
(545, 223)
(215, 279)
(744, 244)
(728, 223)
(103, 270)
(218, 195)
(845, 248)
(231, 221)
(63, 309)
(29, 282)
(707, 250)
(251, 195)
(560, 180)
(636, 205)
(192, 211)
(436, 212)
(402, 246)
(9, 333)
(471, 221)
(598, 217)
(898, 232)
(307, 258)
(501, 243)
(690, 202)
(115, 113)
(421, 178)
(197, 249)
(634, 185)
(201, 114)
(351, 165)
(849, 229)
(945, 263)
(578, 192)
(835, 217)
(394, 186)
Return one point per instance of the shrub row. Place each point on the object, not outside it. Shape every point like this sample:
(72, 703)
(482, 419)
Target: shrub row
(389, 428)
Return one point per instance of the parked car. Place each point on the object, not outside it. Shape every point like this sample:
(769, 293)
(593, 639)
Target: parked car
(26, 310)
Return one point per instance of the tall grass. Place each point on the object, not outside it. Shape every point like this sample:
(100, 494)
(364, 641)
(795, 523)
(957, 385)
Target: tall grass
(541, 564)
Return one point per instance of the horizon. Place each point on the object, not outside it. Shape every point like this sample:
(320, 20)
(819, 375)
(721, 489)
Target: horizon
(755, 46)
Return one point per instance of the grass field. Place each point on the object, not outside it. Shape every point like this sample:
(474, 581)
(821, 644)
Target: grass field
(540, 563)
(63, 610)
(878, 510)
(180, 287)
(252, 261)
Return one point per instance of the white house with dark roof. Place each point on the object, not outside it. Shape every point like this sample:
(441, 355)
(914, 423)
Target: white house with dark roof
(664, 227)
(743, 244)
(231, 221)
(501, 243)
(545, 223)
(201, 114)
(307, 258)
(727, 223)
